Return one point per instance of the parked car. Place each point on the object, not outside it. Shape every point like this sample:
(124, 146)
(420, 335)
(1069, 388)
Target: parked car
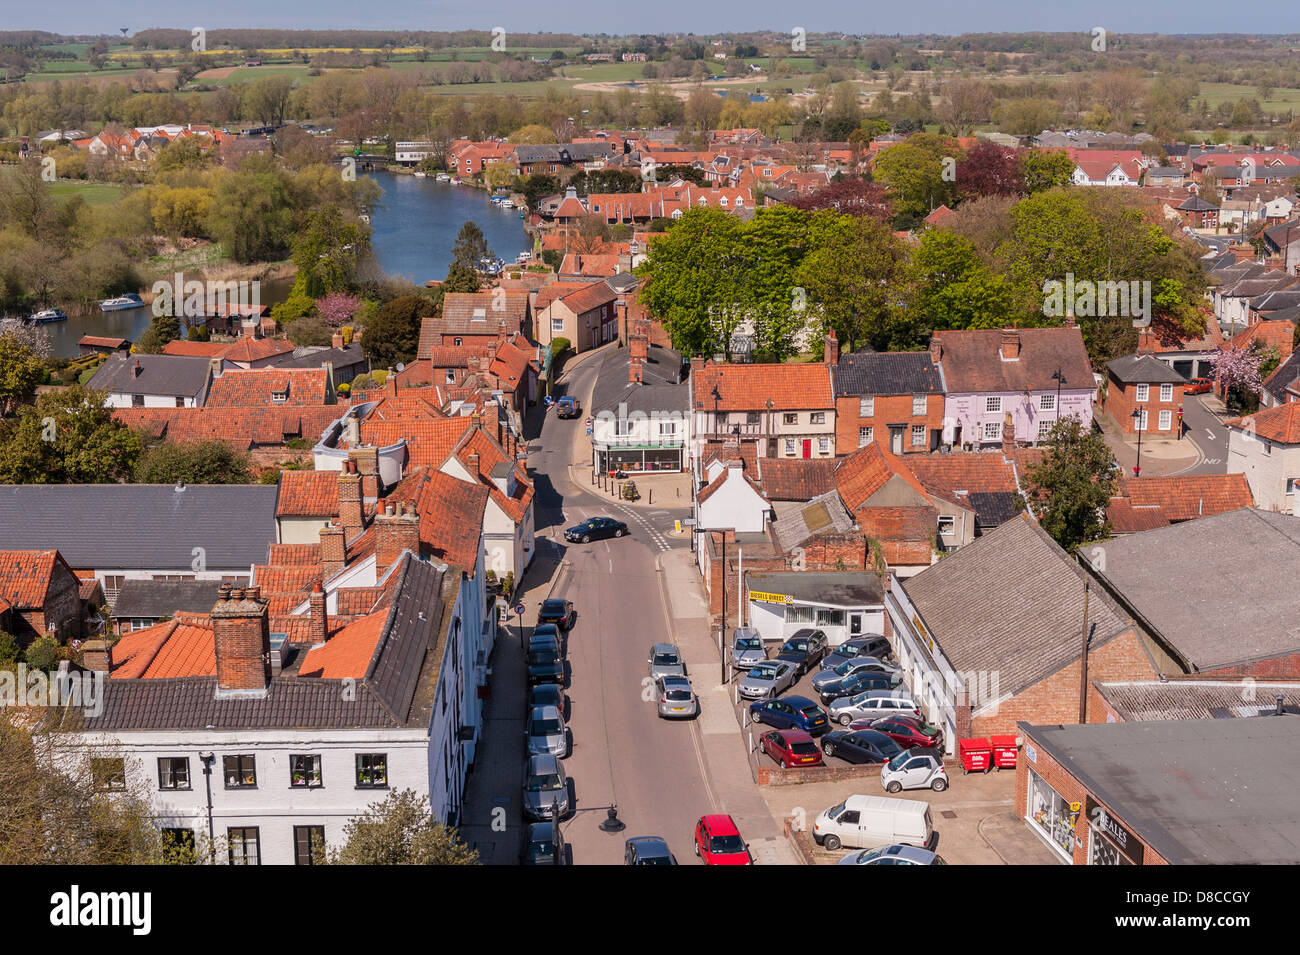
(914, 769)
(546, 733)
(543, 843)
(747, 648)
(805, 649)
(545, 637)
(907, 731)
(595, 528)
(647, 850)
(549, 694)
(872, 645)
(874, 703)
(718, 842)
(892, 855)
(567, 407)
(545, 665)
(666, 660)
(1198, 386)
(826, 681)
(791, 748)
(791, 712)
(557, 611)
(858, 683)
(546, 788)
(771, 678)
(860, 746)
(866, 822)
(676, 698)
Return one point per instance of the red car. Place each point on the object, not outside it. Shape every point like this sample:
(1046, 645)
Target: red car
(1198, 386)
(791, 748)
(718, 842)
(907, 731)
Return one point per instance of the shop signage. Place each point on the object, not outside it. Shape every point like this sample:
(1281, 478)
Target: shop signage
(1031, 754)
(1121, 838)
(767, 598)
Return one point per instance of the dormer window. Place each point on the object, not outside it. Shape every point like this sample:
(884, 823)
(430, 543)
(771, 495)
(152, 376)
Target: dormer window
(480, 315)
(458, 342)
(280, 397)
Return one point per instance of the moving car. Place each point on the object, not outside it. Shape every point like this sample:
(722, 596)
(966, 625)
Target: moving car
(747, 648)
(805, 649)
(858, 683)
(771, 678)
(825, 681)
(791, 748)
(557, 611)
(860, 746)
(872, 645)
(908, 732)
(718, 842)
(676, 698)
(665, 660)
(874, 703)
(543, 843)
(567, 407)
(647, 850)
(914, 769)
(546, 788)
(595, 528)
(791, 712)
(866, 822)
(1198, 386)
(548, 694)
(545, 732)
(892, 855)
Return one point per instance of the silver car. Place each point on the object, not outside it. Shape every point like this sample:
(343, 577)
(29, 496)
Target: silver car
(546, 788)
(893, 855)
(767, 679)
(546, 733)
(827, 676)
(875, 704)
(747, 648)
(666, 660)
(676, 698)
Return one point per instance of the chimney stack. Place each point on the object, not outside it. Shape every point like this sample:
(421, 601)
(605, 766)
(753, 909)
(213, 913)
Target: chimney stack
(1010, 344)
(473, 465)
(936, 349)
(332, 549)
(350, 512)
(97, 655)
(336, 340)
(1008, 436)
(633, 370)
(136, 369)
(832, 350)
(366, 458)
(320, 627)
(242, 634)
(397, 529)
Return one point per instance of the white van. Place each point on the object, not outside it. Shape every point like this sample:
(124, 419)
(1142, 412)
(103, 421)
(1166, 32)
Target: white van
(866, 822)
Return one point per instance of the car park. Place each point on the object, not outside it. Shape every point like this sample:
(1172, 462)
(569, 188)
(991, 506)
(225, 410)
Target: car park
(647, 850)
(873, 703)
(791, 712)
(860, 746)
(545, 732)
(893, 855)
(546, 788)
(907, 731)
(804, 649)
(718, 842)
(557, 611)
(747, 648)
(676, 698)
(867, 822)
(595, 528)
(914, 769)
(872, 645)
(768, 679)
(543, 845)
(548, 694)
(665, 660)
(827, 682)
(855, 684)
(791, 748)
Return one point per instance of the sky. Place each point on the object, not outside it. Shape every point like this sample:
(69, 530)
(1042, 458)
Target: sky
(657, 16)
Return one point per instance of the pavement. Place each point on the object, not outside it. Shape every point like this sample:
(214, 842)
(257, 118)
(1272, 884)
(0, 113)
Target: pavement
(1202, 448)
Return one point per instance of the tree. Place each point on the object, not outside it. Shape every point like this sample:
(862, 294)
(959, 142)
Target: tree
(1237, 372)
(252, 212)
(471, 247)
(309, 330)
(1045, 169)
(536, 186)
(393, 335)
(990, 170)
(268, 98)
(534, 134)
(1072, 485)
(966, 104)
(20, 367)
(68, 437)
(914, 173)
(162, 329)
(852, 195)
(849, 274)
(951, 288)
(337, 308)
(193, 462)
(401, 831)
(328, 249)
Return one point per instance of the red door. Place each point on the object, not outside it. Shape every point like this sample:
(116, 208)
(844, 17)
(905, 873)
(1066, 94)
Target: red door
(807, 447)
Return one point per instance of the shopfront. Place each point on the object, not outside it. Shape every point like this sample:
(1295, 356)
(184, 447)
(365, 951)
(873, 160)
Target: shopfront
(1052, 816)
(638, 458)
(844, 605)
(1109, 842)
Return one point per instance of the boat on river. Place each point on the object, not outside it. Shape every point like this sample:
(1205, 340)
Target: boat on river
(121, 303)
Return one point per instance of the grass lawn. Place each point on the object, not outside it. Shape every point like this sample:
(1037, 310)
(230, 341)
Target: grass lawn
(94, 193)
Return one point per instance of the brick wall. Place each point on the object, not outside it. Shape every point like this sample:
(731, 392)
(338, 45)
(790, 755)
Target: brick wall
(1277, 668)
(1121, 401)
(889, 409)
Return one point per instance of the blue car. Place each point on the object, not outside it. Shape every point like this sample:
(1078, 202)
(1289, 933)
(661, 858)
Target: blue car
(791, 713)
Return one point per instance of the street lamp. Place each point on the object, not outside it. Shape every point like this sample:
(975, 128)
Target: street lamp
(717, 399)
(1060, 380)
(1139, 414)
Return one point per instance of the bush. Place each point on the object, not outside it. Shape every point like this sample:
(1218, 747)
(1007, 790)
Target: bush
(43, 653)
(558, 346)
(379, 376)
(309, 330)
(10, 652)
(362, 382)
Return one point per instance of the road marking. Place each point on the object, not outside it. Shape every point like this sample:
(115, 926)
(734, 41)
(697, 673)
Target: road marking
(1210, 433)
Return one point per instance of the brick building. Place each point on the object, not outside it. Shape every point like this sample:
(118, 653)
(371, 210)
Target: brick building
(895, 398)
(1143, 384)
(39, 595)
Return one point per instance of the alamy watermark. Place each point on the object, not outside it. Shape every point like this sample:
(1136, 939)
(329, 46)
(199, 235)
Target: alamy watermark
(197, 299)
(30, 686)
(1085, 298)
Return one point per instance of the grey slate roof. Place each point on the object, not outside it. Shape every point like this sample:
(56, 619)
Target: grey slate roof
(562, 152)
(338, 357)
(993, 508)
(839, 588)
(142, 526)
(1219, 792)
(1166, 172)
(886, 373)
(1011, 603)
(663, 383)
(1282, 376)
(1244, 615)
(173, 375)
(1140, 369)
(153, 599)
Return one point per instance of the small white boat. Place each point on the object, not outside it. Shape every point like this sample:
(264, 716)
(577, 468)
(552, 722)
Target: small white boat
(443, 177)
(47, 317)
(496, 200)
(507, 204)
(420, 175)
(121, 303)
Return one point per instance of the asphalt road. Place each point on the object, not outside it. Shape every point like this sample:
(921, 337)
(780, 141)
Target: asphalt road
(1207, 430)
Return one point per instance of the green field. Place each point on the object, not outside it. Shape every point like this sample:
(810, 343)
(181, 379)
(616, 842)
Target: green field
(94, 193)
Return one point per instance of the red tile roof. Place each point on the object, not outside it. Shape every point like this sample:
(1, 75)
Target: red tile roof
(308, 494)
(866, 471)
(102, 341)
(451, 517)
(747, 387)
(255, 349)
(796, 479)
(182, 646)
(25, 576)
(1280, 423)
(1280, 334)
(1188, 496)
(195, 349)
(251, 387)
(428, 441)
(348, 652)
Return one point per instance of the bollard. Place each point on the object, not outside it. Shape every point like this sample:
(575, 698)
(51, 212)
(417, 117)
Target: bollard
(652, 496)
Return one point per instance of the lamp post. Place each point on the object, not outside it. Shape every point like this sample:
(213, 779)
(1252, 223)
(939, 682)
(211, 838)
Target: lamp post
(1059, 378)
(1138, 415)
(717, 399)
(768, 449)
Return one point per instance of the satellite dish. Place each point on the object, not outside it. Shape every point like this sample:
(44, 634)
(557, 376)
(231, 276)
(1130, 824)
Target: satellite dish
(400, 366)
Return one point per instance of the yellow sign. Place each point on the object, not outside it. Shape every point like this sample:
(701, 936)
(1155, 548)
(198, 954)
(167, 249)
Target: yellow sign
(924, 634)
(770, 598)
(1075, 806)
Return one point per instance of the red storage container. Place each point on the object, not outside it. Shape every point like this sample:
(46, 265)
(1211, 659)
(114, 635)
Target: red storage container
(1004, 752)
(976, 755)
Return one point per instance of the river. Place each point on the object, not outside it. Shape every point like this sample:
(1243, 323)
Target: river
(413, 230)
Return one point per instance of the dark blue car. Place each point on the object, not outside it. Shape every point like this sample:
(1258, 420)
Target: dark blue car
(792, 713)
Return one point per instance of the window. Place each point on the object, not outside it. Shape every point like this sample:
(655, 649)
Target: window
(240, 772)
(721, 424)
(947, 524)
(823, 445)
(1047, 402)
(789, 446)
(173, 577)
(752, 417)
(174, 772)
(1166, 393)
(866, 407)
(1044, 426)
(993, 404)
(1143, 393)
(1291, 485)
(918, 434)
(1142, 421)
(108, 775)
(451, 376)
(557, 325)
(137, 401)
(308, 842)
(245, 846)
(138, 623)
(458, 342)
(918, 404)
(180, 402)
(372, 770)
(667, 429)
(622, 426)
(304, 771)
(992, 430)
(279, 397)
(819, 417)
(1166, 420)
(864, 437)
(791, 417)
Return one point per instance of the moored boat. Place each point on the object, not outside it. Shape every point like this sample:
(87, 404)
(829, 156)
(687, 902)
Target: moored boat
(121, 303)
(47, 317)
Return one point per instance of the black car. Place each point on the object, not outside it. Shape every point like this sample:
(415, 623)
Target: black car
(557, 611)
(805, 649)
(860, 746)
(545, 665)
(868, 646)
(549, 694)
(545, 637)
(860, 682)
(540, 845)
(594, 528)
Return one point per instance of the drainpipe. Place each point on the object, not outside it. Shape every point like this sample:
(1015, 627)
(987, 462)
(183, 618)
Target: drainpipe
(208, 759)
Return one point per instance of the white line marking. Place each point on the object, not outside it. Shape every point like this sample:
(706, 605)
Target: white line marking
(1210, 433)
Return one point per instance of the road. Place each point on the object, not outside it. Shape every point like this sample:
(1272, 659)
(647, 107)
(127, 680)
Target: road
(1206, 429)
